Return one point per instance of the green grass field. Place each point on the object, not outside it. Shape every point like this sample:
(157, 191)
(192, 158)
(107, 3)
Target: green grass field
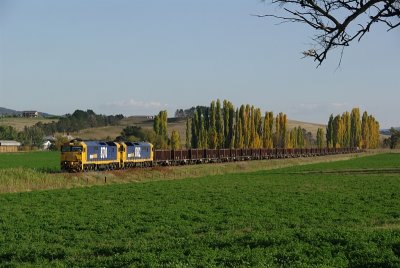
(47, 161)
(287, 217)
(375, 163)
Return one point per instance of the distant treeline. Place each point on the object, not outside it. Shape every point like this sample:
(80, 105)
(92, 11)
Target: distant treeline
(185, 113)
(79, 120)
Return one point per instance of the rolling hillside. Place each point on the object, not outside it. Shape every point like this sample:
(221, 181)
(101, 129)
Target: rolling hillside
(20, 122)
(6, 111)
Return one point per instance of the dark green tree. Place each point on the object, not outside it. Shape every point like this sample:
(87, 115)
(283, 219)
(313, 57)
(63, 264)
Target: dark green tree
(225, 113)
(320, 138)
(247, 126)
(300, 137)
(259, 128)
(365, 131)
(213, 140)
(219, 125)
(175, 140)
(252, 128)
(133, 133)
(31, 136)
(268, 130)
(346, 129)
(8, 133)
(355, 131)
(337, 132)
(329, 132)
(195, 130)
(160, 129)
(156, 124)
(281, 130)
(394, 138)
(243, 128)
(231, 135)
(203, 142)
(238, 130)
(188, 134)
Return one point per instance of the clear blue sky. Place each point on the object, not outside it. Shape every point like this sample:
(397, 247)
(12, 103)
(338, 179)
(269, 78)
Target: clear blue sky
(138, 57)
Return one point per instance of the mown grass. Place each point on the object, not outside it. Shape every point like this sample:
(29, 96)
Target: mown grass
(257, 219)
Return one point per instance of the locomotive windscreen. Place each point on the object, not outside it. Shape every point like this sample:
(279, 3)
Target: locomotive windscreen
(66, 148)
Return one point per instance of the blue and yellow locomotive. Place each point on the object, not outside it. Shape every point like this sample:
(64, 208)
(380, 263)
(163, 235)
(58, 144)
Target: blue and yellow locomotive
(135, 154)
(80, 155)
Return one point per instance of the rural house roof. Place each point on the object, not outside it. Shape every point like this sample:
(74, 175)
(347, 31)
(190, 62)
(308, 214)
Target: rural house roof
(9, 143)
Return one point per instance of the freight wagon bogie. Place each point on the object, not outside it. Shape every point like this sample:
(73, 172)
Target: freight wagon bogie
(137, 164)
(73, 166)
(101, 166)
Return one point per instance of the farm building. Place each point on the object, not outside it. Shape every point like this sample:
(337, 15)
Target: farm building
(30, 114)
(9, 146)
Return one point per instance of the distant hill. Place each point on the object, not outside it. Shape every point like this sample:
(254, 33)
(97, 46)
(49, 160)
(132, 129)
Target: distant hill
(387, 131)
(5, 111)
(11, 112)
(46, 115)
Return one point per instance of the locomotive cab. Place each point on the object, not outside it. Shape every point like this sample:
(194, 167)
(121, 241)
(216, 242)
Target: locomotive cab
(71, 156)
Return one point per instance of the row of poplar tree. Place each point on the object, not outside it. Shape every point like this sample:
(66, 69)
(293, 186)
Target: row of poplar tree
(223, 126)
(162, 141)
(352, 130)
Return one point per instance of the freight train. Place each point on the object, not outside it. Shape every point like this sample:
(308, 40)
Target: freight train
(78, 155)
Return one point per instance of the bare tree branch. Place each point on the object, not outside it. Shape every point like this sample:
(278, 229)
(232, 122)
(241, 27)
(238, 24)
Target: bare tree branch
(338, 22)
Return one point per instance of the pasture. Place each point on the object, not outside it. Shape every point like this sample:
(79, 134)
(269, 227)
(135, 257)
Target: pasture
(20, 122)
(338, 214)
(45, 161)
